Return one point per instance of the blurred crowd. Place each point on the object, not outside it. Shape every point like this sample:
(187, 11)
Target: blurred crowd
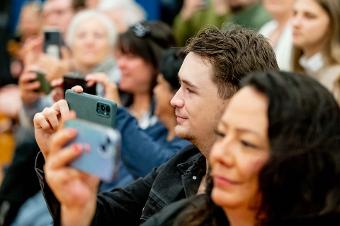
(139, 54)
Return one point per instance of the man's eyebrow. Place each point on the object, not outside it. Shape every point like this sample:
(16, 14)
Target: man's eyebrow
(186, 82)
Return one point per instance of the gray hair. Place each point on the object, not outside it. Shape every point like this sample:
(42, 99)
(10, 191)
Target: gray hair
(87, 15)
(133, 13)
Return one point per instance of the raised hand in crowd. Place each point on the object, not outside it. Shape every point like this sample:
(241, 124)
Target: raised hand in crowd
(190, 7)
(76, 191)
(28, 86)
(110, 88)
(48, 122)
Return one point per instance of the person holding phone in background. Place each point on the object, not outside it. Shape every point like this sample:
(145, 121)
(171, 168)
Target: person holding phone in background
(18, 184)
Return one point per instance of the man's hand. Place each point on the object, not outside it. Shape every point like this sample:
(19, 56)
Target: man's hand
(76, 191)
(48, 122)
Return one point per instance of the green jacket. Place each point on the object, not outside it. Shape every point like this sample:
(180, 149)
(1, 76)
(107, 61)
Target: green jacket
(183, 30)
(252, 17)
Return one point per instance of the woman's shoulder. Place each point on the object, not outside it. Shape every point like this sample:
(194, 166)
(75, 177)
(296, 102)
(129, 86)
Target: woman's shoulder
(329, 75)
(330, 71)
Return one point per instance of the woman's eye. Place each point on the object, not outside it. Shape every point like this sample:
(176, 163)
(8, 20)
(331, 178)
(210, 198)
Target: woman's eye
(249, 144)
(219, 133)
(98, 35)
(310, 16)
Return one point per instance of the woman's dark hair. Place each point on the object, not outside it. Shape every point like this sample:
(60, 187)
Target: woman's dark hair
(147, 40)
(169, 65)
(302, 175)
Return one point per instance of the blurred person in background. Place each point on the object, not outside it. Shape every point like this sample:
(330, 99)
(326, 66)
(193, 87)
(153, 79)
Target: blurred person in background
(58, 14)
(316, 38)
(137, 52)
(122, 13)
(279, 30)
(197, 14)
(90, 37)
(247, 13)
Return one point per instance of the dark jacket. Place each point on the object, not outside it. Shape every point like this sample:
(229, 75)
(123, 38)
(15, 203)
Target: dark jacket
(176, 179)
(168, 215)
(19, 182)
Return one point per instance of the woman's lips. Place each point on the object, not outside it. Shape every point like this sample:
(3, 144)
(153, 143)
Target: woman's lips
(223, 181)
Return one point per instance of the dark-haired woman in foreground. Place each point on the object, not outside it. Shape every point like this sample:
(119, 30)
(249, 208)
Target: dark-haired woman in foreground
(276, 161)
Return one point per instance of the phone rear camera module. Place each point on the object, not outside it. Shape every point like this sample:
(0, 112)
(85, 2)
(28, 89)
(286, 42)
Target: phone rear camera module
(103, 109)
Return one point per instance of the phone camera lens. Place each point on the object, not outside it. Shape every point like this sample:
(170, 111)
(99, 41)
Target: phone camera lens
(103, 107)
(108, 140)
(107, 108)
(103, 147)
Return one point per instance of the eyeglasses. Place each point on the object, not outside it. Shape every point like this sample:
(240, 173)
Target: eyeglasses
(140, 30)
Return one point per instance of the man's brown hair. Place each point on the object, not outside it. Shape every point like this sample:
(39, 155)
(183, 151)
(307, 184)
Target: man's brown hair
(233, 53)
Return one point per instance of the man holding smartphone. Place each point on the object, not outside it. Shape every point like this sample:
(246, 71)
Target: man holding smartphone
(209, 76)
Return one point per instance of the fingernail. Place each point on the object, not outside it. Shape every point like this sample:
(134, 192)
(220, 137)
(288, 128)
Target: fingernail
(72, 131)
(77, 148)
(87, 148)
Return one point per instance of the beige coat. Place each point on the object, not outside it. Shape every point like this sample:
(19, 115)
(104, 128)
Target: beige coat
(330, 78)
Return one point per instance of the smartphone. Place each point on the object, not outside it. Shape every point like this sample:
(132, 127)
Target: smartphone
(53, 42)
(92, 108)
(45, 86)
(101, 145)
(73, 79)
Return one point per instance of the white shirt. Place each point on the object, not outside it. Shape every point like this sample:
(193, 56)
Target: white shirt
(284, 46)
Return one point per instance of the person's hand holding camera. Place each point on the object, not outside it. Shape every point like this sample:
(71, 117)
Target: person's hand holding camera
(28, 86)
(190, 7)
(55, 68)
(111, 89)
(75, 190)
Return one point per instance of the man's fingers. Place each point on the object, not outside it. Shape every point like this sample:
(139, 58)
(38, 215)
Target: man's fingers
(61, 138)
(64, 156)
(52, 117)
(40, 121)
(62, 107)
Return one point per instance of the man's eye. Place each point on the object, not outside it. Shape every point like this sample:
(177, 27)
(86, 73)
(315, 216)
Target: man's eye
(189, 90)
